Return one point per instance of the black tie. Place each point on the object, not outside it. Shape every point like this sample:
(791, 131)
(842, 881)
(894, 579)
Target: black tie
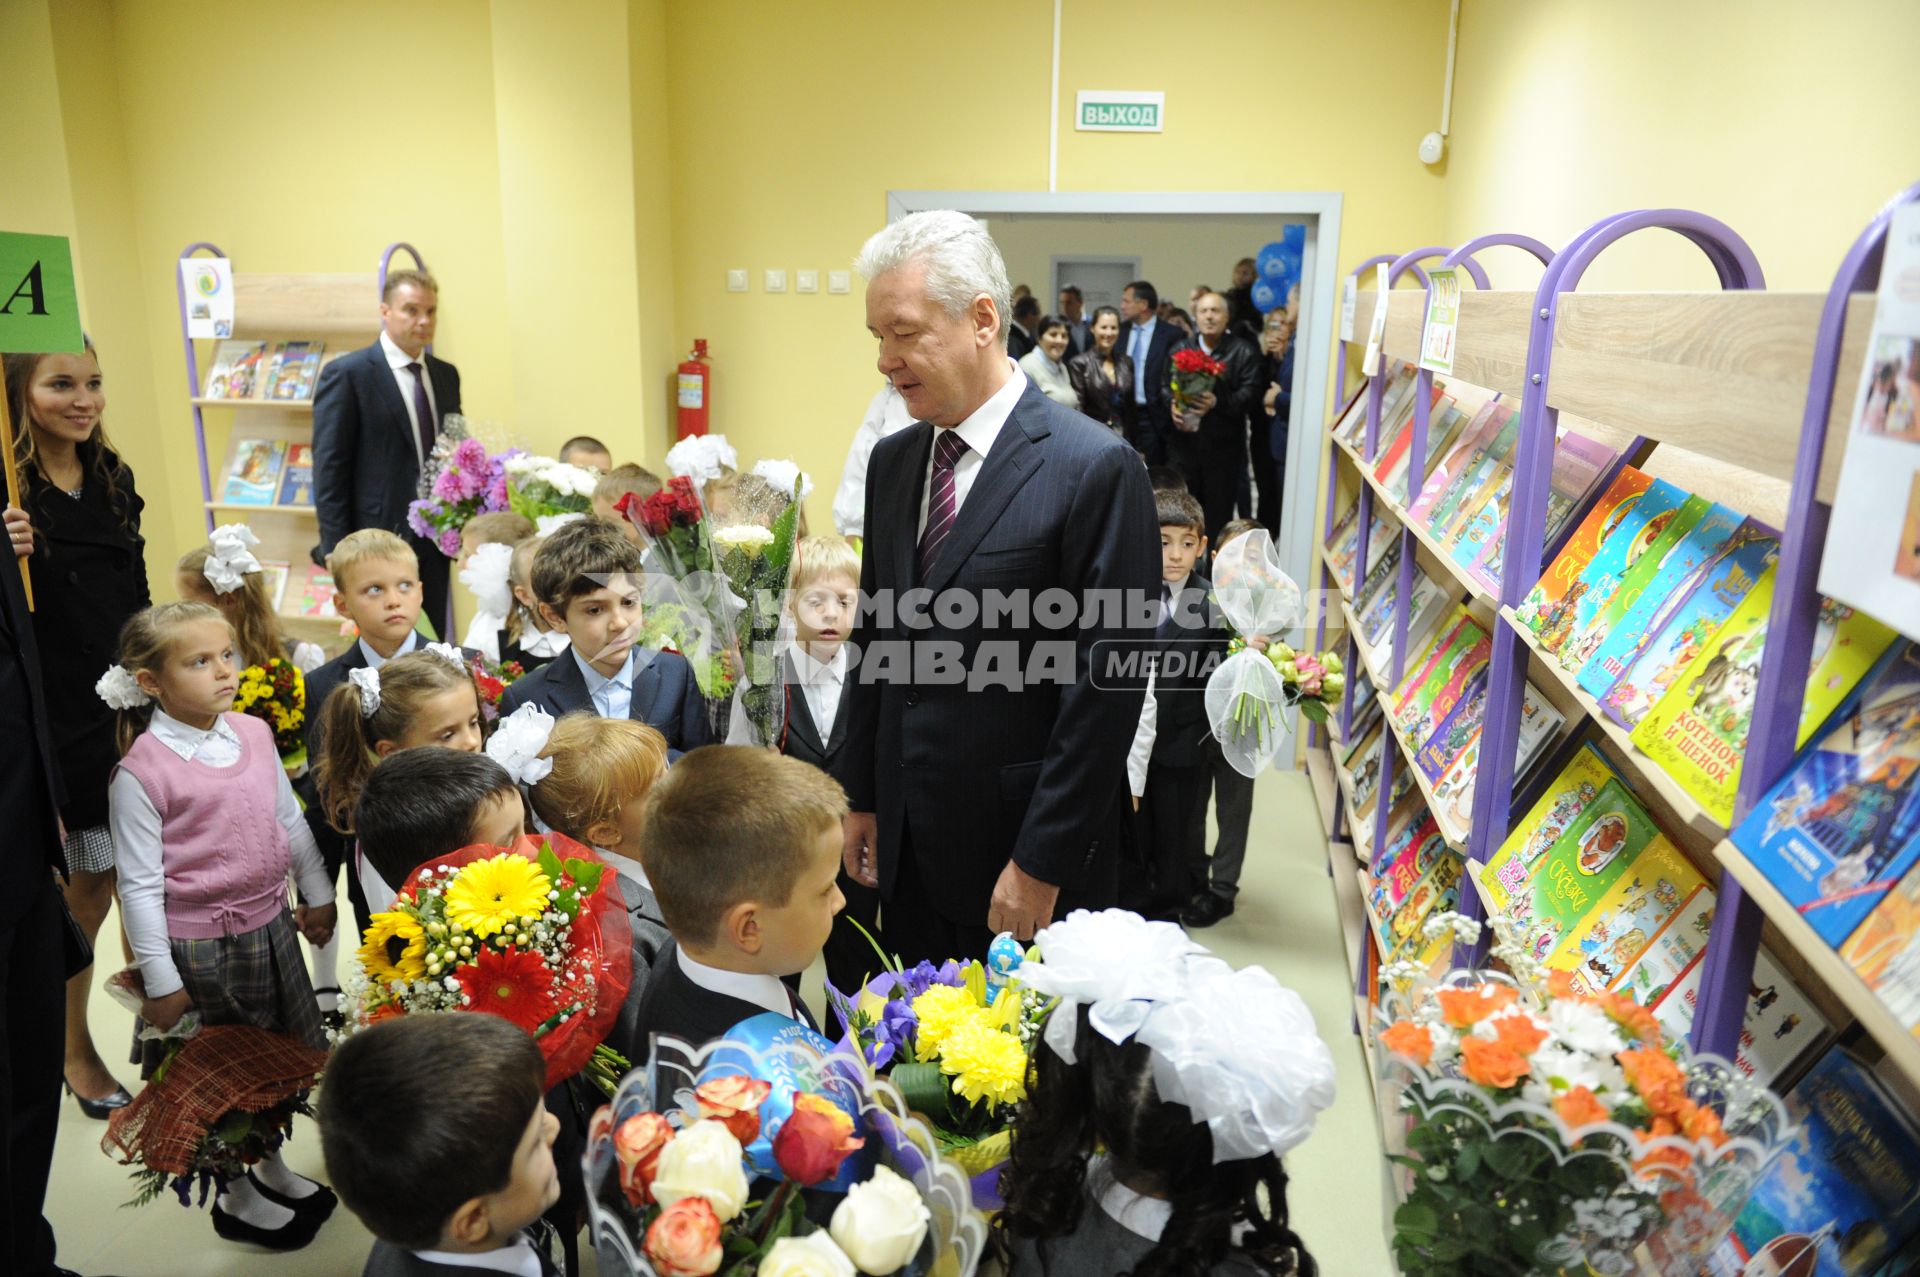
(422, 411)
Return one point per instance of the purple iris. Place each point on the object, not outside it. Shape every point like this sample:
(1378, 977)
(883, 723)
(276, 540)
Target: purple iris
(893, 1036)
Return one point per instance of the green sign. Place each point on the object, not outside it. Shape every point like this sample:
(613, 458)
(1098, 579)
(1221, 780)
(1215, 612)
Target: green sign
(39, 306)
(1116, 111)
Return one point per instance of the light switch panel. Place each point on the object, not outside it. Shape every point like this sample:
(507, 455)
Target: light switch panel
(806, 281)
(736, 281)
(837, 281)
(776, 281)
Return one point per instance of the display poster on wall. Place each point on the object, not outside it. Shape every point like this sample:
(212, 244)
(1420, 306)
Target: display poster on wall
(1872, 555)
(207, 285)
(1438, 337)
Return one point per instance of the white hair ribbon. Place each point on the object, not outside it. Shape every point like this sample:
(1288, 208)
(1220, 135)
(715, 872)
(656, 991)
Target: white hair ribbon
(231, 557)
(120, 689)
(450, 654)
(702, 458)
(486, 574)
(518, 741)
(367, 679)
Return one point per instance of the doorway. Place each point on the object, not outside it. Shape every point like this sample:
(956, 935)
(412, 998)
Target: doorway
(1100, 279)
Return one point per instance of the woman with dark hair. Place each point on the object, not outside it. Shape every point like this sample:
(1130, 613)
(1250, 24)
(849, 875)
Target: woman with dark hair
(1045, 365)
(89, 575)
(1158, 1154)
(1102, 375)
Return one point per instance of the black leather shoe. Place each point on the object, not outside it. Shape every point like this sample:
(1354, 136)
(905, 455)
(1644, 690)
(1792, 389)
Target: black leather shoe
(292, 1235)
(319, 1202)
(1206, 910)
(101, 1109)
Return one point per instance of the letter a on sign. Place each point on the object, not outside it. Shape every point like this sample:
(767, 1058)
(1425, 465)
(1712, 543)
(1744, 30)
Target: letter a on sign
(39, 308)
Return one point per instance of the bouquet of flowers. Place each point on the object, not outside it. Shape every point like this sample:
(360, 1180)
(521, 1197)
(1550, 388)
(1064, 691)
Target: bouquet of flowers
(690, 606)
(276, 694)
(956, 1040)
(1194, 372)
(1548, 1132)
(755, 560)
(491, 679)
(541, 488)
(536, 934)
(1250, 691)
(705, 1160)
(461, 481)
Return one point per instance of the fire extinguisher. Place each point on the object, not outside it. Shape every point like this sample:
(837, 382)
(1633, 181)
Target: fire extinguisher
(696, 391)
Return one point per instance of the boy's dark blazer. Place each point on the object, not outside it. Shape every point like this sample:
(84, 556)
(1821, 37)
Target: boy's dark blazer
(1181, 731)
(678, 1007)
(387, 1260)
(805, 741)
(665, 696)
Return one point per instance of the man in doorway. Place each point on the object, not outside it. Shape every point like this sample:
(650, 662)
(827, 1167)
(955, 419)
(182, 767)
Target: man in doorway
(1149, 343)
(1208, 442)
(1023, 337)
(1073, 308)
(376, 413)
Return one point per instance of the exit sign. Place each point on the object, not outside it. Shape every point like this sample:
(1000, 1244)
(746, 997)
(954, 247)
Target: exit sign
(1116, 111)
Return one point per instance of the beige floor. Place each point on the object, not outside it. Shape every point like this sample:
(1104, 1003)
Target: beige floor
(1285, 921)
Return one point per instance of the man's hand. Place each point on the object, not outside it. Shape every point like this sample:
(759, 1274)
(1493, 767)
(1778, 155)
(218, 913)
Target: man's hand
(164, 1013)
(19, 531)
(1021, 904)
(316, 923)
(1204, 401)
(860, 853)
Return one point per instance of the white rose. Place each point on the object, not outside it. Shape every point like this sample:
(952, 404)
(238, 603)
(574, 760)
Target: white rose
(814, 1255)
(704, 1160)
(750, 537)
(881, 1223)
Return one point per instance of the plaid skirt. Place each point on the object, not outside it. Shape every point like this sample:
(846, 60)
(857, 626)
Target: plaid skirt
(257, 978)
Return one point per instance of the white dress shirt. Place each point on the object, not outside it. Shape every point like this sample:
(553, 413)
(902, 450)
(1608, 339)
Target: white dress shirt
(886, 415)
(821, 682)
(764, 991)
(139, 853)
(517, 1258)
(1143, 335)
(398, 359)
(626, 867)
(612, 697)
(1140, 753)
(979, 431)
(374, 660)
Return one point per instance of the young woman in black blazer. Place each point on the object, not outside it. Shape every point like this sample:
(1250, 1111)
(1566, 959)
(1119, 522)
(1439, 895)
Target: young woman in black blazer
(89, 575)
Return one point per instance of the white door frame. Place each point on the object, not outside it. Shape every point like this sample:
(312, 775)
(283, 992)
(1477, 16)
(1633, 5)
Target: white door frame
(1319, 297)
(1094, 259)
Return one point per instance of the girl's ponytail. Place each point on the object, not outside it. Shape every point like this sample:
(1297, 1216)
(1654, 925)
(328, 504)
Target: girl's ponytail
(346, 755)
(144, 641)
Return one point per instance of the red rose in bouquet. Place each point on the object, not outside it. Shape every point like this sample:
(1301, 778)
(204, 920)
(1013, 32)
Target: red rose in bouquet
(1194, 374)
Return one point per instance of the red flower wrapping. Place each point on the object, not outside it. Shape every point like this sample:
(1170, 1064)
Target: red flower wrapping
(1192, 360)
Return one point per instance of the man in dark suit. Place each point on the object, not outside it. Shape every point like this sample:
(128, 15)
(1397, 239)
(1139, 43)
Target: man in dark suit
(1073, 309)
(376, 413)
(991, 741)
(1024, 335)
(1211, 452)
(1149, 343)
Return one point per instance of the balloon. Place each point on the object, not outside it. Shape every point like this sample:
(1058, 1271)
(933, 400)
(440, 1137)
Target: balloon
(1269, 295)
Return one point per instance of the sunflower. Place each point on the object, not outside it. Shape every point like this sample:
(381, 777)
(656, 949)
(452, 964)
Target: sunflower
(987, 1065)
(488, 894)
(513, 985)
(395, 948)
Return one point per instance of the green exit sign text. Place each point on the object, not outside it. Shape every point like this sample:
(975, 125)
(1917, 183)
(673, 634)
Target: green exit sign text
(1117, 111)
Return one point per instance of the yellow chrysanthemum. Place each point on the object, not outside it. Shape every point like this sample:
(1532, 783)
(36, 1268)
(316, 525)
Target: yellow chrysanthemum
(987, 1065)
(488, 894)
(942, 1010)
(395, 948)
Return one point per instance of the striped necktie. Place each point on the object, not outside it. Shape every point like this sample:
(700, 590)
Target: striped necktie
(942, 504)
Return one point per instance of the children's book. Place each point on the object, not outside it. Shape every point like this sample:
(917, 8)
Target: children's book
(1684, 621)
(1445, 478)
(1402, 823)
(273, 574)
(1780, 1026)
(1600, 947)
(295, 365)
(1669, 951)
(1437, 891)
(1478, 538)
(1385, 574)
(1884, 951)
(1845, 645)
(1636, 529)
(1356, 406)
(1453, 789)
(1397, 437)
(1845, 1194)
(1408, 858)
(1352, 429)
(1365, 774)
(1426, 655)
(252, 469)
(1579, 783)
(1446, 682)
(1578, 463)
(1455, 732)
(1569, 880)
(236, 370)
(296, 477)
(1481, 474)
(1612, 594)
(1444, 423)
(315, 595)
(1544, 602)
(1839, 829)
(1623, 628)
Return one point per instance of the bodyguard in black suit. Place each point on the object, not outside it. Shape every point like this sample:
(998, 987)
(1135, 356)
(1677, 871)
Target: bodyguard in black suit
(376, 413)
(985, 786)
(1213, 457)
(665, 696)
(1149, 344)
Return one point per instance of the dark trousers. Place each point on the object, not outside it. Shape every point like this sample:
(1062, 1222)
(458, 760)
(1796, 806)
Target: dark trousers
(33, 1017)
(436, 595)
(1232, 812)
(1175, 808)
(850, 958)
(1212, 465)
(1260, 500)
(1149, 425)
(914, 929)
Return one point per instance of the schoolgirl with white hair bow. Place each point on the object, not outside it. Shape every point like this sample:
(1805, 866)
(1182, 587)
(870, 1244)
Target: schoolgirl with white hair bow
(225, 573)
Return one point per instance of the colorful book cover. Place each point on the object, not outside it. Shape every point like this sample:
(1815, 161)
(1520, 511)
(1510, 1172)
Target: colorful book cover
(236, 370)
(1366, 772)
(1478, 539)
(1685, 621)
(273, 573)
(1455, 732)
(1444, 424)
(1578, 463)
(1838, 830)
(296, 477)
(252, 470)
(1884, 951)
(1383, 576)
(1444, 686)
(1429, 605)
(1401, 823)
(1579, 783)
(1605, 942)
(1393, 447)
(1412, 854)
(1608, 596)
(1453, 791)
(1778, 1030)
(1845, 646)
(1544, 602)
(1437, 891)
(1457, 624)
(1658, 577)
(1577, 870)
(315, 596)
(295, 365)
(1634, 531)
(1356, 407)
(1845, 1194)
(1469, 443)
(1670, 951)
(1352, 429)
(1480, 474)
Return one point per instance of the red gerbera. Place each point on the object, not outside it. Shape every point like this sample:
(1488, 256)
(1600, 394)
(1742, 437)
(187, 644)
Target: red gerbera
(513, 985)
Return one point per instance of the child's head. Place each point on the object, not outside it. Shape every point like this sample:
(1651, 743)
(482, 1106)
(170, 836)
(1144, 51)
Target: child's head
(498, 527)
(587, 578)
(585, 450)
(425, 802)
(434, 1131)
(520, 581)
(719, 496)
(743, 850)
(618, 482)
(603, 770)
(824, 589)
(247, 608)
(1183, 534)
(376, 584)
(1233, 528)
(423, 698)
(183, 657)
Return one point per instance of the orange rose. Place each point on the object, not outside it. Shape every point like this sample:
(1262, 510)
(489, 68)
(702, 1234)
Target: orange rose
(638, 1143)
(734, 1102)
(814, 1140)
(1657, 1078)
(1411, 1040)
(685, 1240)
(1703, 1124)
(1631, 1016)
(1520, 1033)
(1464, 1008)
(1578, 1106)
(1666, 1163)
(1491, 1064)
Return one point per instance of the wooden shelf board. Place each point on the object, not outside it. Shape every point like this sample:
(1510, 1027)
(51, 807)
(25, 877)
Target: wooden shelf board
(1320, 773)
(255, 509)
(1350, 906)
(284, 405)
(1901, 1046)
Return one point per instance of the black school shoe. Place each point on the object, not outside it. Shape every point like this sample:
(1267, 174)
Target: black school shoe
(1206, 910)
(319, 1202)
(293, 1235)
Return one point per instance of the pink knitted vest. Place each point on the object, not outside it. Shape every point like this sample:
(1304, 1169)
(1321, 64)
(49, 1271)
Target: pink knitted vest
(224, 854)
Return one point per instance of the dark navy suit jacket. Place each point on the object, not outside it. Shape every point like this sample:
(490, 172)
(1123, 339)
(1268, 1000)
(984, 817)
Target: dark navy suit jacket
(665, 696)
(366, 467)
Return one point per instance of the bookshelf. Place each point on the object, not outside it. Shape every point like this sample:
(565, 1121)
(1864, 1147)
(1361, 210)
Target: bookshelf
(1741, 396)
(338, 309)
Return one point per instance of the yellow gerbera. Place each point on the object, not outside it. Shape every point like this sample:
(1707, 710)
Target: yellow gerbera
(986, 1064)
(395, 948)
(488, 894)
(942, 1010)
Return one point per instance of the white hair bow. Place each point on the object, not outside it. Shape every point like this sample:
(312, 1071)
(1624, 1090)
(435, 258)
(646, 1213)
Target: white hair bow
(781, 475)
(367, 679)
(1113, 961)
(546, 525)
(487, 575)
(702, 458)
(231, 558)
(517, 742)
(450, 654)
(120, 689)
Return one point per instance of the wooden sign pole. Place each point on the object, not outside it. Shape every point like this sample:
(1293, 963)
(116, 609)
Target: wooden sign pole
(13, 486)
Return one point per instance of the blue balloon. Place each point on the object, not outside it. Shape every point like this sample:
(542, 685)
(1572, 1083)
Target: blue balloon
(1269, 296)
(1281, 259)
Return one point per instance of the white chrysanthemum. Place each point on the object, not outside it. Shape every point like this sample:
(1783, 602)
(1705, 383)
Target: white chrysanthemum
(1581, 1026)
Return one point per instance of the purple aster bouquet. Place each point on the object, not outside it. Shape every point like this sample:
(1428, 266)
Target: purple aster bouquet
(461, 481)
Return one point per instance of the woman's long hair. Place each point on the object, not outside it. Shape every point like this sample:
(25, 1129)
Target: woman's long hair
(1108, 1100)
(98, 460)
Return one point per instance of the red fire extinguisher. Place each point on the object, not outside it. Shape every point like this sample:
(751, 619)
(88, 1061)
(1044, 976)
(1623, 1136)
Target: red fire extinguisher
(696, 391)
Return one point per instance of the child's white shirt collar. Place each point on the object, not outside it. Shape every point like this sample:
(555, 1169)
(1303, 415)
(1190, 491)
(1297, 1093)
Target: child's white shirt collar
(375, 660)
(518, 1257)
(626, 867)
(543, 644)
(188, 742)
(764, 991)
